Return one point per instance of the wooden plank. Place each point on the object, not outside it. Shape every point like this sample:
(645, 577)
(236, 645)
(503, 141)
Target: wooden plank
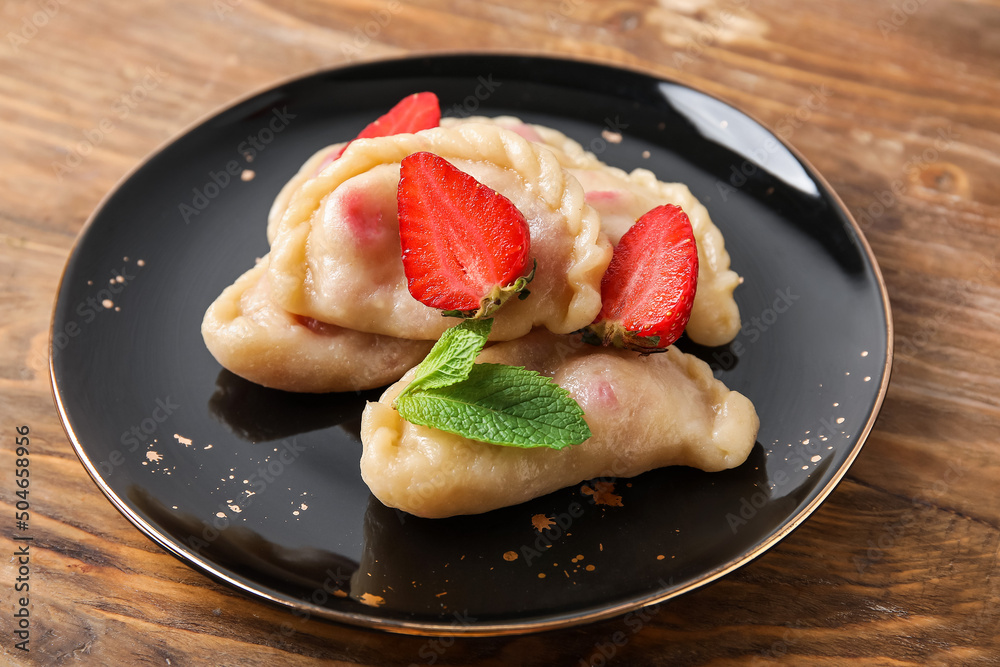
(899, 567)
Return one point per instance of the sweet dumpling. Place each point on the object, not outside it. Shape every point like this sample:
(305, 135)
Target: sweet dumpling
(252, 337)
(644, 412)
(621, 197)
(335, 252)
(310, 168)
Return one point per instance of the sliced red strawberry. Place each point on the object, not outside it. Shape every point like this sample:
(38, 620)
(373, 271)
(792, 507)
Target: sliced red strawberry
(465, 246)
(649, 287)
(419, 111)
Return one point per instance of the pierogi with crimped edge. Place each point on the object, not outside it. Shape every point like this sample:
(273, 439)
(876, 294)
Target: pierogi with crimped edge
(309, 168)
(335, 252)
(328, 309)
(252, 337)
(644, 412)
(621, 197)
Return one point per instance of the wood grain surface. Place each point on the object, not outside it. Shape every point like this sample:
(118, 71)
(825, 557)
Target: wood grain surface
(898, 567)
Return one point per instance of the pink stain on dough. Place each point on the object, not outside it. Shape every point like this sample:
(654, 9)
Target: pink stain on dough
(527, 132)
(362, 216)
(603, 196)
(317, 327)
(604, 394)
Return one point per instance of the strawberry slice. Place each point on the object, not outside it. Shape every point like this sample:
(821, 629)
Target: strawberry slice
(419, 111)
(465, 246)
(649, 287)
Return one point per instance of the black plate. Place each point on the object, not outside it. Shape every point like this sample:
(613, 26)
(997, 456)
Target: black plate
(136, 378)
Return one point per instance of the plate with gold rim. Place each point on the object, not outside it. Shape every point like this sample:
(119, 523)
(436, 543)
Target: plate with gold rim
(261, 489)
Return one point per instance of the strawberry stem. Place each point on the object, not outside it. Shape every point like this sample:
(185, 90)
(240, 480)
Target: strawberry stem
(611, 333)
(499, 295)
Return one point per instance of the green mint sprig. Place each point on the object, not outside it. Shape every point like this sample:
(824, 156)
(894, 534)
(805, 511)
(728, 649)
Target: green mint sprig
(451, 358)
(495, 403)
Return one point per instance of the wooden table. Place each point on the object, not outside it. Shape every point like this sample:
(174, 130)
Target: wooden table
(898, 567)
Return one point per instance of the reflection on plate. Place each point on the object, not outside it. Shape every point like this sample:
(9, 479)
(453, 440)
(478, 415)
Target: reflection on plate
(261, 489)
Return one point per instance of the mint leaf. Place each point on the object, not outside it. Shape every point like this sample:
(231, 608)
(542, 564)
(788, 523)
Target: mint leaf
(451, 358)
(502, 405)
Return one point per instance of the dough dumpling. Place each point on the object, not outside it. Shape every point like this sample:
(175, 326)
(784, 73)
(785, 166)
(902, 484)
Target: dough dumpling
(620, 198)
(335, 252)
(310, 168)
(252, 337)
(644, 412)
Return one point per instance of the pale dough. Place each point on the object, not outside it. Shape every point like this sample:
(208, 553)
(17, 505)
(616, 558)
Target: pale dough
(335, 253)
(252, 337)
(645, 412)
